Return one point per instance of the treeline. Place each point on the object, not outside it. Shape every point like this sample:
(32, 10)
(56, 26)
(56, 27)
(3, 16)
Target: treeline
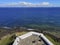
(4, 31)
(44, 27)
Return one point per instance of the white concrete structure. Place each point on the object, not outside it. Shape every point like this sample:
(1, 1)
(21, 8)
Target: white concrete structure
(18, 39)
(30, 29)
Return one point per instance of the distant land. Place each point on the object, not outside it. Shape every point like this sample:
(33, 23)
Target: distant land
(25, 16)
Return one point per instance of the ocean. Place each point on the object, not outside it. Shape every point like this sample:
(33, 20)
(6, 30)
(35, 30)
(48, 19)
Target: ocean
(29, 15)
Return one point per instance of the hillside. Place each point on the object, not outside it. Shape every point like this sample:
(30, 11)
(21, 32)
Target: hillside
(9, 35)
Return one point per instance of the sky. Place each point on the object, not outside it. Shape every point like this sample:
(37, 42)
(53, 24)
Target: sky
(29, 3)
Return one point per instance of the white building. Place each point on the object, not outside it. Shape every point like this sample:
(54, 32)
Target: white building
(32, 38)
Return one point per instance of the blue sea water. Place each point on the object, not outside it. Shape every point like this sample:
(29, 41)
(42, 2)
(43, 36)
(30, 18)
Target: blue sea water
(24, 16)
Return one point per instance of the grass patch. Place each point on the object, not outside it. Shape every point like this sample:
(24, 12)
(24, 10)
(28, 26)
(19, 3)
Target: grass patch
(8, 39)
(54, 42)
(20, 33)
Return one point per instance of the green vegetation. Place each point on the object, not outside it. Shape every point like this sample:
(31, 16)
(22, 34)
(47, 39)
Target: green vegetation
(19, 34)
(9, 39)
(6, 40)
(44, 27)
(54, 42)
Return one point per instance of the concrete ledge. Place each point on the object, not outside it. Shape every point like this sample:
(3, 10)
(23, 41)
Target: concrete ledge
(18, 39)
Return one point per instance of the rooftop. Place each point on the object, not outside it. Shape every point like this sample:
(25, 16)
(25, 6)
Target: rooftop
(32, 38)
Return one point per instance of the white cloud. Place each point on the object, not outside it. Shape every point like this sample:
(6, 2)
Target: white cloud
(26, 4)
(45, 3)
